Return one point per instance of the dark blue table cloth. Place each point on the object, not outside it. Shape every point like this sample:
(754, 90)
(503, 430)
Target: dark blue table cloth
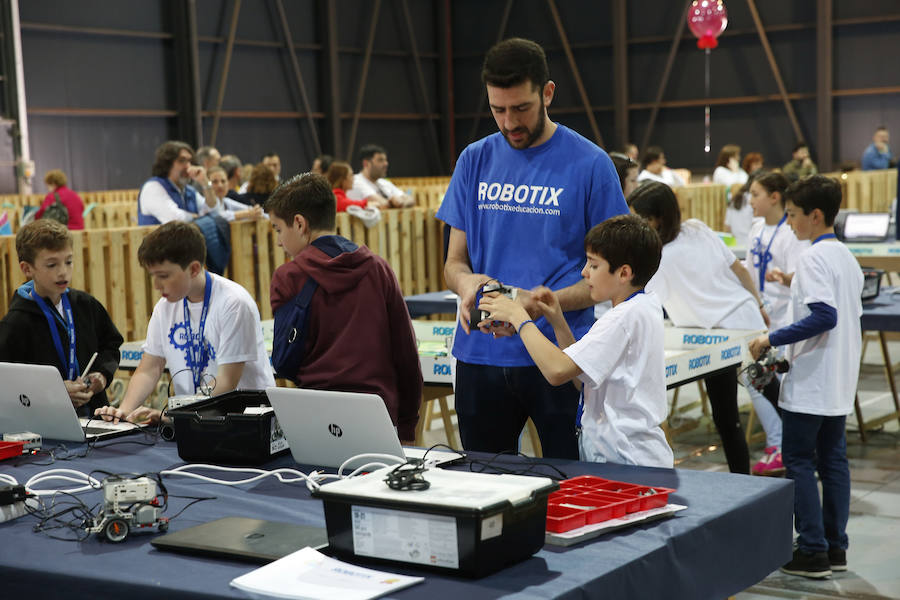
(737, 529)
(432, 303)
(882, 313)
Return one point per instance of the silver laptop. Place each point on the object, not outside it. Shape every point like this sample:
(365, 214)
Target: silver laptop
(34, 398)
(325, 428)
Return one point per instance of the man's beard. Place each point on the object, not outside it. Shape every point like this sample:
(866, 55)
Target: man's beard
(531, 136)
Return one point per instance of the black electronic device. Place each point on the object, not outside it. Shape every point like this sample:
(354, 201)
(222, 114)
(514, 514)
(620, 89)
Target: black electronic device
(476, 316)
(871, 283)
(244, 539)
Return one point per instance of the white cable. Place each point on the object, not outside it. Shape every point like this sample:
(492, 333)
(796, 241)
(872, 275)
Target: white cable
(87, 483)
(183, 471)
(8, 479)
(390, 457)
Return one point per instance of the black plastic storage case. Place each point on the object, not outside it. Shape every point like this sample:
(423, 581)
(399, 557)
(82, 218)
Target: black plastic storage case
(218, 431)
(496, 520)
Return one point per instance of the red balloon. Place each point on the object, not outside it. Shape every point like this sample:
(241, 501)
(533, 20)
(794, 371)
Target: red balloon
(707, 19)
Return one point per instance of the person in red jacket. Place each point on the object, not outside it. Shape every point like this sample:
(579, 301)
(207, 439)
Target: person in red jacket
(360, 337)
(56, 183)
(340, 177)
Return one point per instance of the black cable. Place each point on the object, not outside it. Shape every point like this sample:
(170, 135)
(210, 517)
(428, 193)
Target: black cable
(408, 476)
(195, 499)
(532, 467)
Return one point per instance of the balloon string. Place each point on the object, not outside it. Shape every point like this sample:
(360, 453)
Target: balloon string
(706, 146)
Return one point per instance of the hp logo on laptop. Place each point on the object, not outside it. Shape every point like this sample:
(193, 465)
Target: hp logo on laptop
(335, 430)
(25, 400)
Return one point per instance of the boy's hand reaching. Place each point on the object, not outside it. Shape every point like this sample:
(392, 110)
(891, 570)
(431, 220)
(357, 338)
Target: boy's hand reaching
(759, 345)
(501, 308)
(548, 304)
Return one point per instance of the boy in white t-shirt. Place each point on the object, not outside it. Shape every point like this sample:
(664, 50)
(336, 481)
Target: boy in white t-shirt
(817, 393)
(205, 329)
(621, 359)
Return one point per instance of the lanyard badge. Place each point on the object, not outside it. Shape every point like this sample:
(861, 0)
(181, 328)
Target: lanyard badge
(197, 349)
(761, 259)
(70, 366)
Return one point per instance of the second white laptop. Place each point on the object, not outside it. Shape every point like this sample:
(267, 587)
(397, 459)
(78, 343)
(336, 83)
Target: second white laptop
(325, 428)
(34, 398)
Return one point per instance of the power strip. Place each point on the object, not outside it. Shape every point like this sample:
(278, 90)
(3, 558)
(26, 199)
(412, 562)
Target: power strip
(31, 440)
(12, 511)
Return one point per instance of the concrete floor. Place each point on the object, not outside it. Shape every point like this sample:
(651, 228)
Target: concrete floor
(874, 526)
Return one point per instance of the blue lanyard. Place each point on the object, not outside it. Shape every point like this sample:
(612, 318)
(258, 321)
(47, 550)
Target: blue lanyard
(70, 367)
(196, 347)
(633, 295)
(824, 236)
(762, 259)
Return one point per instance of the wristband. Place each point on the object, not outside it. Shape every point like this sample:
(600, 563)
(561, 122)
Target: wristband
(524, 323)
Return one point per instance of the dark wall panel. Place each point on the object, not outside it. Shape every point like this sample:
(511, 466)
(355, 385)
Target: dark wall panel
(96, 153)
(250, 139)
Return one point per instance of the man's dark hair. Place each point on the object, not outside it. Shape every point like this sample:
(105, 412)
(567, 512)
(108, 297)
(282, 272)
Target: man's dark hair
(816, 191)
(368, 151)
(231, 165)
(651, 154)
(799, 145)
(626, 240)
(178, 242)
(657, 200)
(307, 194)
(270, 155)
(166, 155)
(514, 61)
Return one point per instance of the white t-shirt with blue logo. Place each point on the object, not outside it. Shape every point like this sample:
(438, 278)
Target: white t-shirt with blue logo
(785, 248)
(525, 214)
(824, 368)
(232, 334)
(623, 370)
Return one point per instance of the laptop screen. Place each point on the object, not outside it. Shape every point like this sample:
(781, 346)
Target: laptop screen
(870, 226)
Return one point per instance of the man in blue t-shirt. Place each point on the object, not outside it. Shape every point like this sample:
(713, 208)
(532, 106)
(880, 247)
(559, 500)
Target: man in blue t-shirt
(519, 205)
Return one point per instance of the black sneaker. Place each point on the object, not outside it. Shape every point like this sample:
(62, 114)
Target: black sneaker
(838, 559)
(808, 564)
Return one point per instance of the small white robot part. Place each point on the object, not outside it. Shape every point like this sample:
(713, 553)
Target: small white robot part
(128, 504)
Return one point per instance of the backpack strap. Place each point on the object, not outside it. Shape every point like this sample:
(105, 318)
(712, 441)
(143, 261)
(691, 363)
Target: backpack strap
(302, 301)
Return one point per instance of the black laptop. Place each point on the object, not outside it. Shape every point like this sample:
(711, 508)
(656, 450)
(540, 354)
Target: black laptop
(244, 539)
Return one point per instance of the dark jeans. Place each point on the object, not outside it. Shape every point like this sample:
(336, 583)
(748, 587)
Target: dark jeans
(815, 443)
(493, 403)
(722, 390)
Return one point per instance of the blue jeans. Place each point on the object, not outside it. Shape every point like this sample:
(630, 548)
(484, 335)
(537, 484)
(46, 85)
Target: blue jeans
(815, 443)
(493, 403)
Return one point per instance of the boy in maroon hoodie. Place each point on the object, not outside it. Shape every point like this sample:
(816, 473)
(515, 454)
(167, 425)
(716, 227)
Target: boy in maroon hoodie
(360, 337)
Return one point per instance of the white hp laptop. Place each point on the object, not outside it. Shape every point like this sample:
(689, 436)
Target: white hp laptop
(325, 428)
(34, 398)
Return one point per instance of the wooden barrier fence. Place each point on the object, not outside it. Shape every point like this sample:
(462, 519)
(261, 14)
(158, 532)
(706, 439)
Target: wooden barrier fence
(867, 191)
(703, 201)
(106, 265)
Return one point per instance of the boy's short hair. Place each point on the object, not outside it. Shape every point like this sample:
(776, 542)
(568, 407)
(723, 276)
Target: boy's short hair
(514, 61)
(56, 178)
(177, 242)
(217, 169)
(307, 194)
(651, 155)
(816, 191)
(627, 240)
(43, 234)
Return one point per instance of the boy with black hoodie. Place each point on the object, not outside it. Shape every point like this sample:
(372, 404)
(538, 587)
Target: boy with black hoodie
(47, 320)
(360, 337)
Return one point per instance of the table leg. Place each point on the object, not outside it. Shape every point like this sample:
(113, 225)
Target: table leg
(859, 419)
(888, 366)
(448, 424)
